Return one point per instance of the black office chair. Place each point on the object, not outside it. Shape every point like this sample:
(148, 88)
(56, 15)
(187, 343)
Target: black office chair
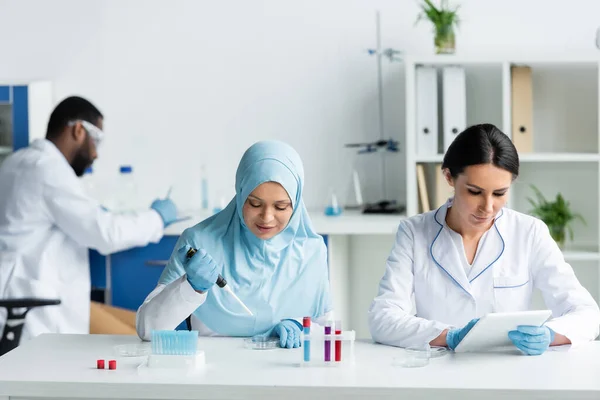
(15, 319)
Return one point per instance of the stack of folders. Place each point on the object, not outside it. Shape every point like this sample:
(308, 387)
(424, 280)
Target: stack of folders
(441, 107)
(446, 113)
(440, 118)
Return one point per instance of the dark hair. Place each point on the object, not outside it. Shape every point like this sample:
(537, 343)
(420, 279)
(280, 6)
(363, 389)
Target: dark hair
(71, 109)
(481, 144)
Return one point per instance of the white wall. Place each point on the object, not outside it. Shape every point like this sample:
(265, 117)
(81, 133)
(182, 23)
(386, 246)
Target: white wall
(188, 82)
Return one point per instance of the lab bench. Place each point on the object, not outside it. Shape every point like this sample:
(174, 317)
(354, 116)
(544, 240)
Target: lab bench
(64, 366)
(357, 247)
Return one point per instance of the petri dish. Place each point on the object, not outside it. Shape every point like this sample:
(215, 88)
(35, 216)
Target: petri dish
(132, 350)
(438, 351)
(261, 343)
(413, 357)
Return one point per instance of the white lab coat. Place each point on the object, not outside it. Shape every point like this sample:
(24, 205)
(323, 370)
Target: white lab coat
(515, 256)
(47, 224)
(168, 305)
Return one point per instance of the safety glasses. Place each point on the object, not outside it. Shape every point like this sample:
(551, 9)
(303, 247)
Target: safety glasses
(95, 133)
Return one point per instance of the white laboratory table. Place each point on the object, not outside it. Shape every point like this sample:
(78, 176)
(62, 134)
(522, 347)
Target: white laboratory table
(63, 366)
(358, 246)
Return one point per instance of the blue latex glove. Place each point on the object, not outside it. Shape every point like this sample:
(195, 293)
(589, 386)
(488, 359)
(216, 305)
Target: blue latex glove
(288, 331)
(166, 209)
(201, 270)
(532, 340)
(455, 336)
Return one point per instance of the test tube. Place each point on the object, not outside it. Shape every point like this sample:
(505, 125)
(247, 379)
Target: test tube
(306, 326)
(338, 342)
(327, 341)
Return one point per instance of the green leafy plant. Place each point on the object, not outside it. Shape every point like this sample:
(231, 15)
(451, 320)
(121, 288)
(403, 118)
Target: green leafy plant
(444, 19)
(557, 215)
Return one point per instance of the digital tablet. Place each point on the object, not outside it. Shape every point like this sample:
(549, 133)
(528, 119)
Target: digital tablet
(492, 329)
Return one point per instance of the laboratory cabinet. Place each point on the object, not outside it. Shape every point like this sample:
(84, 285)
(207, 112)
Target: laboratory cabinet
(127, 277)
(24, 112)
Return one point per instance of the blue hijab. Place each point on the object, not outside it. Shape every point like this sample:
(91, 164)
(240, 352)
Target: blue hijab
(278, 278)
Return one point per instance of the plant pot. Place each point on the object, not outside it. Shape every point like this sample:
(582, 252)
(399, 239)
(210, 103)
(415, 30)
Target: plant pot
(558, 233)
(444, 40)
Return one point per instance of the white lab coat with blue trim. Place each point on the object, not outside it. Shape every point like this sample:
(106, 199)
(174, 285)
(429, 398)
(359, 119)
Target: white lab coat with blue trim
(426, 289)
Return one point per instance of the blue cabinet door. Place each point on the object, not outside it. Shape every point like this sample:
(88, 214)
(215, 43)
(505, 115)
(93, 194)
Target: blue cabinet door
(14, 128)
(20, 117)
(97, 270)
(135, 272)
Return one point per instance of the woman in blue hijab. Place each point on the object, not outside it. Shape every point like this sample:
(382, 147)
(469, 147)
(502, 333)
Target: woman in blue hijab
(265, 247)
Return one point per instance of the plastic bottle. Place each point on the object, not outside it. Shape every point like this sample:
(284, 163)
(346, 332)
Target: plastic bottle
(126, 189)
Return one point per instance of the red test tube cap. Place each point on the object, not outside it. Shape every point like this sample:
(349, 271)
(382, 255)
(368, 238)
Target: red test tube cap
(112, 364)
(100, 364)
(306, 322)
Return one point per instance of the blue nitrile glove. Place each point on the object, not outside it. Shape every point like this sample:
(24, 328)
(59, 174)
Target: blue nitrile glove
(532, 340)
(288, 331)
(201, 270)
(166, 209)
(455, 336)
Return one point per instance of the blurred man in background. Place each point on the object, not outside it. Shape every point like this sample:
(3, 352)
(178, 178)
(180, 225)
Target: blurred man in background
(48, 222)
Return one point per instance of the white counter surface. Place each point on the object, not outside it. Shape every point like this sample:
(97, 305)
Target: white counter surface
(63, 366)
(349, 223)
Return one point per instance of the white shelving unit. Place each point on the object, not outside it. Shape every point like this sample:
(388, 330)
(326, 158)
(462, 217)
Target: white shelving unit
(566, 132)
(526, 157)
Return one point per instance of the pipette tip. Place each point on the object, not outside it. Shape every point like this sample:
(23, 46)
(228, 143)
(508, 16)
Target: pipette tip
(238, 300)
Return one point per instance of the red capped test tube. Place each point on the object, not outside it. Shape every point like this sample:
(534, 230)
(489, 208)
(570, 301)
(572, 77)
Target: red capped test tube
(338, 342)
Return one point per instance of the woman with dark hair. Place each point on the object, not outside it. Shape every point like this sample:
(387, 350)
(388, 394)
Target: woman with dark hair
(473, 256)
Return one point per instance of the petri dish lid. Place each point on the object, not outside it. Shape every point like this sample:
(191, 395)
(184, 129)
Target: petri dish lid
(132, 350)
(438, 351)
(412, 357)
(261, 343)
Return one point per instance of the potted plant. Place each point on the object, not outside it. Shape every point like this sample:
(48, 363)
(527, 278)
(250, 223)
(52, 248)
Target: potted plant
(557, 215)
(444, 20)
